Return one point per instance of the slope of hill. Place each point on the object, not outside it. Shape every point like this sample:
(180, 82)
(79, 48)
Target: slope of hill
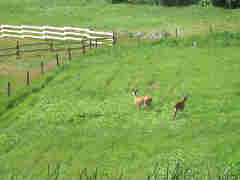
(85, 117)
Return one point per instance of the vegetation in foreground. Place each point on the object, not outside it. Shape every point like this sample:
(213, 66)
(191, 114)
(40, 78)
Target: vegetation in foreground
(86, 117)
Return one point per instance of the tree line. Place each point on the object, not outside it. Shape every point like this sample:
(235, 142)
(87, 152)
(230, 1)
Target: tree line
(220, 3)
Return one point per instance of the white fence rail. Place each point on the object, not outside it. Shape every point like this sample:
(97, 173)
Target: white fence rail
(56, 33)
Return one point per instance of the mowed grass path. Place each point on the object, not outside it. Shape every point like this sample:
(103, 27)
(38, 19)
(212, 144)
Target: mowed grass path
(85, 117)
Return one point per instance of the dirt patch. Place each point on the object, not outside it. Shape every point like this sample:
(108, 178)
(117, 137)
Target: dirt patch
(17, 75)
(36, 72)
(155, 86)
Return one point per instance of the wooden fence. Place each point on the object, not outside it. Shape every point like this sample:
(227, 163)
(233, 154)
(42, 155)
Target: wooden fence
(53, 33)
(54, 39)
(54, 36)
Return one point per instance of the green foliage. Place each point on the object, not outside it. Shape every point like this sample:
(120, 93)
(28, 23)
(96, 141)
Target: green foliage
(227, 3)
(159, 2)
(178, 2)
(117, 1)
(7, 142)
(205, 3)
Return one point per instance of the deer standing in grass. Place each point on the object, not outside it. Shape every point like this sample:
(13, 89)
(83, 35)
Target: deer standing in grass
(179, 106)
(141, 100)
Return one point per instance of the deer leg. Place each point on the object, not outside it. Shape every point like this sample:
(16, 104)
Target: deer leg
(150, 105)
(175, 113)
(138, 107)
(144, 104)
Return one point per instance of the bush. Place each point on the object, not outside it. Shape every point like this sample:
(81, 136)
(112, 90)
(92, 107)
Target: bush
(205, 3)
(158, 2)
(178, 2)
(227, 3)
(117, 1)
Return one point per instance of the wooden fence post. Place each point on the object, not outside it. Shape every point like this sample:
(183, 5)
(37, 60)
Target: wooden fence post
(28, 78)
(96, 43)
(9, 89)
(69, 54)
(83, 47)
(211, 28)
(51, 45)
(182, 32)
(114, 39)
(177, 32)
(57, 59)
(90, 43)
(18, 49)
(42, 67)
(194, 44)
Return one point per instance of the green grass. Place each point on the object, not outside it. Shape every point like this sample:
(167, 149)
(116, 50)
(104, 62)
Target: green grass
(85, 117)
(125, 17)
(104, 16)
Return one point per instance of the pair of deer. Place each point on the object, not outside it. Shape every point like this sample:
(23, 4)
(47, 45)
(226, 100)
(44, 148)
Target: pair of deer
(147, 101)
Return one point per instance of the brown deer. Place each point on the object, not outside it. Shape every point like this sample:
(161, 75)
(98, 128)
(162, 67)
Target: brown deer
(179, 106)
(141, 100)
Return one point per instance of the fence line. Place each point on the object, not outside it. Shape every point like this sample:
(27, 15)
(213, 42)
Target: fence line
(28, 79)
(55, 33)
(71, 35)
(22, 48)
(86, 38)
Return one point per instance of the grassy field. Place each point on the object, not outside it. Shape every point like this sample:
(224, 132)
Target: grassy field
(103, 16)
(84, 117)
(124, 17)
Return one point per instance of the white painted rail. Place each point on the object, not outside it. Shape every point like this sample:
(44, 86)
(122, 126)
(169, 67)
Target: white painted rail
(55, 33)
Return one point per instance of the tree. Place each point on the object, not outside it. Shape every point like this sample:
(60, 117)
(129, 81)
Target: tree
(227, 3)
(205, 3)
